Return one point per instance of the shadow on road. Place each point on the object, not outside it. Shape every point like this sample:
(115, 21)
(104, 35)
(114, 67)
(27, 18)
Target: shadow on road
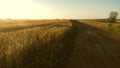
(94, 48)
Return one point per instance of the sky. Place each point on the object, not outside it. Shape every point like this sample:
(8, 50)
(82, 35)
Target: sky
(58, 9)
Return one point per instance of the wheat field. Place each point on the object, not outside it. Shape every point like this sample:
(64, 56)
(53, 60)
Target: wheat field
(33, 43)
(59, 44)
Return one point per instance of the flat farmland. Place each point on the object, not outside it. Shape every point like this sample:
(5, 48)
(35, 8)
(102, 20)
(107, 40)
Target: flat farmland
(35, 43)
(59, 44)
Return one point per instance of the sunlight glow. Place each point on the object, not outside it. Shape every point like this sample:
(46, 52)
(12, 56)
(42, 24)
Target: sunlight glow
(23, 9)
(57, 9)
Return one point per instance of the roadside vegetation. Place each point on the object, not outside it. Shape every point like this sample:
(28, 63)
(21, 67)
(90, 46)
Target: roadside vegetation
(44, 46)
(112, 17)
(109, 27)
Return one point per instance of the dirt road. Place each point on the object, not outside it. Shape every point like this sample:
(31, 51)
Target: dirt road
(94, 48)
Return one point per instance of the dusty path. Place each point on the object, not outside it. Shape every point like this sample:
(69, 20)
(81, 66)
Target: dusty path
(94, 48)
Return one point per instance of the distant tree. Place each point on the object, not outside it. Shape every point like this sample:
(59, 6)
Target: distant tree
(112, 17)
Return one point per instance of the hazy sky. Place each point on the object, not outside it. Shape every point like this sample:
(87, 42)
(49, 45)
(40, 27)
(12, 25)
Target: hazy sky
(57, 9)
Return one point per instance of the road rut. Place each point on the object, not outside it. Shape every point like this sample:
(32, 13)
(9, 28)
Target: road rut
(94, 48)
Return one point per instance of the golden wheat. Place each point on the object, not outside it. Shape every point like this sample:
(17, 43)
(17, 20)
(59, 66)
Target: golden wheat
(32, 45)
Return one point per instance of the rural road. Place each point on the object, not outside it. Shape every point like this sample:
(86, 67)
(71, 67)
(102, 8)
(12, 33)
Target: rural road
(94, 48)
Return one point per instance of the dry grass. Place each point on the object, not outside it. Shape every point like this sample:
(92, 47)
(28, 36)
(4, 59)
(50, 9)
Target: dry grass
(110, 27)
(37, 47)
(8, 25)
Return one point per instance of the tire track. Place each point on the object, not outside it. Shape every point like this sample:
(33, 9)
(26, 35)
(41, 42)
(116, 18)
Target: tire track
(94, 48)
